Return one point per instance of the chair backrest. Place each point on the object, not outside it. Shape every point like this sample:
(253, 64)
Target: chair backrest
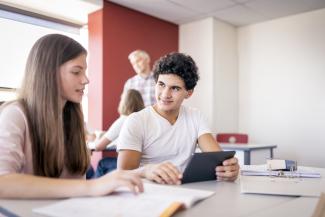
(232, 138)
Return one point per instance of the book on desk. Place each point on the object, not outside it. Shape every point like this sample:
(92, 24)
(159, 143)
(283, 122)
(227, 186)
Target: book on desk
(157, 200)
(262, 170)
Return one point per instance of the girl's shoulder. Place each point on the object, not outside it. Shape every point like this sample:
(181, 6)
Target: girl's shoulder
(12, 110)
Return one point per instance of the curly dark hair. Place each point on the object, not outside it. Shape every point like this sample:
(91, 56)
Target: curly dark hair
(178, 64)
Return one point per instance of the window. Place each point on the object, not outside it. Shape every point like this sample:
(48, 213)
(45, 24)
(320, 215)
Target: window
(18, 34)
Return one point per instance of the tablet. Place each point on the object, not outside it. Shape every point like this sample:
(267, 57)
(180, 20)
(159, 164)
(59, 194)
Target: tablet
(202, 165)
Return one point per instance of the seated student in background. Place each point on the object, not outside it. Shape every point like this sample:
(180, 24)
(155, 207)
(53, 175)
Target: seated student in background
(159, 140)
(90, 136)
(131, 101)
(42, 138)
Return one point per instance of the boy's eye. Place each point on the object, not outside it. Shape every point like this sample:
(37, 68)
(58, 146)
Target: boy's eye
(175, 88)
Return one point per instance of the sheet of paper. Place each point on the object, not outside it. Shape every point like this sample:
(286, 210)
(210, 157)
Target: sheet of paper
(149, 204)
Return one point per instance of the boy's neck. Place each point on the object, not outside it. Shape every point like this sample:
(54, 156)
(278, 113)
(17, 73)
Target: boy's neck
(170, 116)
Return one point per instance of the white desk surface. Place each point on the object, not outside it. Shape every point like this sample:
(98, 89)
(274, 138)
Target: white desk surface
(249, 146)
(228, 202)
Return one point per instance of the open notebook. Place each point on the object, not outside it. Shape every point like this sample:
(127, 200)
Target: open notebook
(157, 200)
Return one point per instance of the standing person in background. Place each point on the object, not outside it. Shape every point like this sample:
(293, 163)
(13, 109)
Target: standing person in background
(131, 101)
(143, 81)
(42, 134)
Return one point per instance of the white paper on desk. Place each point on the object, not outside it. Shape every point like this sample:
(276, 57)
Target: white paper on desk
(261, 170)
(151, 203)
(91, 145)
(282, 186)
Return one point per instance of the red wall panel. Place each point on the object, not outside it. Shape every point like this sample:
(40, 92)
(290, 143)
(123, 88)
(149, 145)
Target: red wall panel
(125, 30)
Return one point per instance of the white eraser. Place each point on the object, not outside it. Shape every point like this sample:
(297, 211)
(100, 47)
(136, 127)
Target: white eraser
(276, 164)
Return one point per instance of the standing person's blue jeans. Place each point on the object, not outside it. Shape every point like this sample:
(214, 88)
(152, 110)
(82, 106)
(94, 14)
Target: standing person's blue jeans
(106, 165)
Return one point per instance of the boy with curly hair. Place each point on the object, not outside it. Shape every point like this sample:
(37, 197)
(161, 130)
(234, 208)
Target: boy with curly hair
(158, 141)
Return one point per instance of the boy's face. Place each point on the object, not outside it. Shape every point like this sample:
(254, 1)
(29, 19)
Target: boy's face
(170, 93)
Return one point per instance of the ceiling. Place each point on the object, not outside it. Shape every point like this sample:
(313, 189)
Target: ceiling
(236, 12)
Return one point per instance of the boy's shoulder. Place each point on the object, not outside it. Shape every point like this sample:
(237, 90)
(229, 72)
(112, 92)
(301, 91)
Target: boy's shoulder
(144, 113)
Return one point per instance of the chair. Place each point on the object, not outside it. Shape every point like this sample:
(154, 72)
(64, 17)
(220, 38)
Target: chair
(232, 138)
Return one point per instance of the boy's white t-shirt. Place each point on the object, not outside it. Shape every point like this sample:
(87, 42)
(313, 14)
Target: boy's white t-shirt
(148, 132)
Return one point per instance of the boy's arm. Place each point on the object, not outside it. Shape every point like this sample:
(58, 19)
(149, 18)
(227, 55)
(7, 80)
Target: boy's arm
(128, 159)
(163, 173)
(230, 168)
(208, 143)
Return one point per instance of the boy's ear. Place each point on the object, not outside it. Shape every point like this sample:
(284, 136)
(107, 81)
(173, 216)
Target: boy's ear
(189, 93)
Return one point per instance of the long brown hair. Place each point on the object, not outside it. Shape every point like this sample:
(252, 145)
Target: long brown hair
(57, 135)
(131, 101)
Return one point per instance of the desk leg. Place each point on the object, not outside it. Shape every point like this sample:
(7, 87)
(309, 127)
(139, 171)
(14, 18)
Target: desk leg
(247, 157)
(271, 153)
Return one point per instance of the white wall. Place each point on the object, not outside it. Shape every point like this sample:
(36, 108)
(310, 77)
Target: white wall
(213, 45)
(196, 40)
(225, 80)
(282, 85)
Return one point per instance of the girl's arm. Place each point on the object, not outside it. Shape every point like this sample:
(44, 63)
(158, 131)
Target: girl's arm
(102, 143)
(24, 186)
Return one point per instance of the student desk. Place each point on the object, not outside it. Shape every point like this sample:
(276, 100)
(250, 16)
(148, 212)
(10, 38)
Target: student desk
(250, 153)
(227, 201)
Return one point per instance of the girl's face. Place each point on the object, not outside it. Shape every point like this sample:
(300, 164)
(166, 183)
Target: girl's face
(73, 79)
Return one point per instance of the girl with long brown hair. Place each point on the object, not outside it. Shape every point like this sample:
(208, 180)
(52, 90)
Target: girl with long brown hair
(42, 139)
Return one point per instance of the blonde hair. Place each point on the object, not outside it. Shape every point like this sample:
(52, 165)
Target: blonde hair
(139, 53)
(56, 132)
(131, 101)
